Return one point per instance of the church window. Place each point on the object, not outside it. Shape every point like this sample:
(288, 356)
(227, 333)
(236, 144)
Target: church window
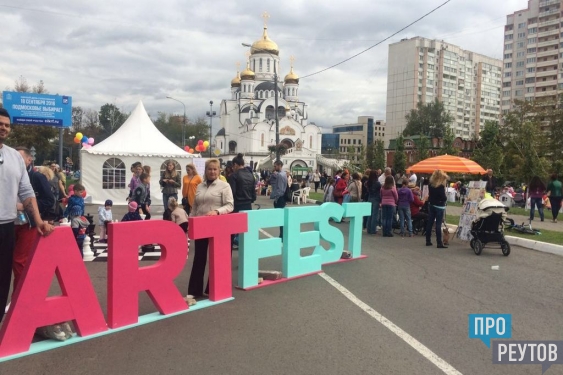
(113, 174)
(266, 94)
(253, 65)
(262, 140)
(310, 141)
(177, 166)
(260, 65)
(268, 65)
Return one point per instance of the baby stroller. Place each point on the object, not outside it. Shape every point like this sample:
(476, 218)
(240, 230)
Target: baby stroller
(489, 226)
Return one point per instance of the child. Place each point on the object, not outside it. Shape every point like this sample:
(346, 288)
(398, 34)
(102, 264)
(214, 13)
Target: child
(104, 217)
(179, 215)
(78, 223)
(76, 200)
(132, 215)
(141, 195)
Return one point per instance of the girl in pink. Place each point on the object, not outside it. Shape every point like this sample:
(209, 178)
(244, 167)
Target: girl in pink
(389, 199)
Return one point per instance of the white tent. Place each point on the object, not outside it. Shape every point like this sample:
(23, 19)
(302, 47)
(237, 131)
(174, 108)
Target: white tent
(106, 167)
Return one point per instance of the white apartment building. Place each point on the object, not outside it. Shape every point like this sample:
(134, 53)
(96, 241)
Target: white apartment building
(533, 63)
(422, 70)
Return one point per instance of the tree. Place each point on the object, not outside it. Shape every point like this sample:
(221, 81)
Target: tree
(524, 141)
(430, 119)
(43, 138)
(362, 161)
(350, 152)
(77, 119)
(422, 148)
(379, 155)
(448, 143)
(488, 151)
(370, 155)
(111, 118)
(399, 158)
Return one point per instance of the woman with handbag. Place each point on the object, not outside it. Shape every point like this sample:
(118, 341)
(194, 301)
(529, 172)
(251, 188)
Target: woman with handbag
(169, 182)
(189, 185)
(437, 207)
(340, 189)
(355, 188)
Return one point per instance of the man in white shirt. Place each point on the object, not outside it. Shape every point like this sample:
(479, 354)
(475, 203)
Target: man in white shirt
(412, 178)
(382, 177)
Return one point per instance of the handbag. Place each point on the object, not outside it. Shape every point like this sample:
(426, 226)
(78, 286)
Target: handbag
(445, 234)
(347, 198)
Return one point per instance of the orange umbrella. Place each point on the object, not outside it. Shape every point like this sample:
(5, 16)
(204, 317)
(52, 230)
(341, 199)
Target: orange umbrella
(447, 163)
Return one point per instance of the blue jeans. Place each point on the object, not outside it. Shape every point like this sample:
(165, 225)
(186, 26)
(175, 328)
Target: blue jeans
(374, 217)
(434, 214)
(387, 218)
(280, 203)
(533, 203)
(165, 198)
(405, 213)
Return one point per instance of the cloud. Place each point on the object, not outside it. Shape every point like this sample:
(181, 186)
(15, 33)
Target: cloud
(124, 51)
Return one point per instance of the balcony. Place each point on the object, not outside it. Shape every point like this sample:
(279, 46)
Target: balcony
(548, 43)
(548, 33)
(547, 73)
(541, 94)
(541, 64)
(548, 2)
(548, 13)
(551, 52)
(546, 84)
(549, 23)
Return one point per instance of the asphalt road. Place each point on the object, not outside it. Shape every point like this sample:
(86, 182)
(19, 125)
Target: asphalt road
(308, 326)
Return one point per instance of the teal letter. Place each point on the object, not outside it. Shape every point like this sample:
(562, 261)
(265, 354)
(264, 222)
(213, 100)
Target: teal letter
(356, 211)
(330, 233)
(294, 240)
(252, 248)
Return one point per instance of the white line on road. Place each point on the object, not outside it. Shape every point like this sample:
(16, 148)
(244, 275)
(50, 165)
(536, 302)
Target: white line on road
(414, 343)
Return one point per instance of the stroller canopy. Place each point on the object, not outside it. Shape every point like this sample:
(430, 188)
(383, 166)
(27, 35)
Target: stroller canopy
(488, 206)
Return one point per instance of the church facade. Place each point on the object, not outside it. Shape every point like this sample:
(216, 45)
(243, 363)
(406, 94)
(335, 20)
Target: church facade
(248, 118)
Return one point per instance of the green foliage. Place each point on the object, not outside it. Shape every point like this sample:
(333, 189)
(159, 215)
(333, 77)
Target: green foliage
(171, 127)
(448, 143)
(378, 155)
(399, 158)
(430, 119)
(488, 151)
(370, 155)
(423, 147)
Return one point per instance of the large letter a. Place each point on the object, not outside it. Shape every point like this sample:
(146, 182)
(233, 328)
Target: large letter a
(31, 308)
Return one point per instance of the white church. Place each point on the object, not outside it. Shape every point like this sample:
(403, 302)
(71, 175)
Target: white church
(248, 118)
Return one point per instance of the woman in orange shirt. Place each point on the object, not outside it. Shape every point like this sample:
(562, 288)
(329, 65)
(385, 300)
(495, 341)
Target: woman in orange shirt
(189, 186)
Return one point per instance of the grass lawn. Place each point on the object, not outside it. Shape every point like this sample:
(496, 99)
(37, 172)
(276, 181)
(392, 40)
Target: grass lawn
(316, 196)
(549, 236)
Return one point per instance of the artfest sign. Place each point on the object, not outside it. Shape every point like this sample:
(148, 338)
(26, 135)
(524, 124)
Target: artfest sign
(57, 255)
(38, 109)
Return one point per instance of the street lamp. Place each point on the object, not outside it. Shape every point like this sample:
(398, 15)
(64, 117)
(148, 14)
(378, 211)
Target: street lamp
(275, 99)
(210, 114)
(183, 126)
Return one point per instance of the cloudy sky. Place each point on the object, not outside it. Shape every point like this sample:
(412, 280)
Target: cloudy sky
(124, 51)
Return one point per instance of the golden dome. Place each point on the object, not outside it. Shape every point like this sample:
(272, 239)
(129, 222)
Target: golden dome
(235, 82)
(265, 45)
(247, 73)
(291, 77)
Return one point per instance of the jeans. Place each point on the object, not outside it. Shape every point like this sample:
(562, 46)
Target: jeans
(555, 206)
(387, 219)
(405, 213)
(533, 203)
(197, 281)
(7, 244)
(238, 208)
(434, 214)
(165, 198)
(373, 219)
(280, 203)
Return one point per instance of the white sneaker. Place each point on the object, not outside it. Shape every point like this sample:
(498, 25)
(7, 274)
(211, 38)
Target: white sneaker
(7, 307)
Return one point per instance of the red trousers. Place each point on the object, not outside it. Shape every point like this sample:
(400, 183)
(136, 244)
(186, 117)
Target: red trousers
(25, 236)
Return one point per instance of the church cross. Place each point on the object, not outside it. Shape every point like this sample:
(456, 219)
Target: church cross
(265, 15)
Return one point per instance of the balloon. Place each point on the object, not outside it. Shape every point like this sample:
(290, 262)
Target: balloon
(90, 141)
(85, 139)
(206, 143)
(76, 140)
(191, 151)
(200, 142)
(204, 149)
(186, 148)
(197, 148)
(84, 144)
(84, 194)
(79, 135)
(71, 188)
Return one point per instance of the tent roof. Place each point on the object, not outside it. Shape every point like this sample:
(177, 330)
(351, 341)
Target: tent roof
(138, 137)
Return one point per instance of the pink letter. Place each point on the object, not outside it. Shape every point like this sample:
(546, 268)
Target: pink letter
(219, 229)
(126, 279)
(31, 308)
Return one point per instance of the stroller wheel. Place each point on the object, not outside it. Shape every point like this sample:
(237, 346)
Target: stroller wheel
(472, 243)
(505, 247)
(478, 247)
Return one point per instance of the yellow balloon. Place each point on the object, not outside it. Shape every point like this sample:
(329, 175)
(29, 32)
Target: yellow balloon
(79, 135)
(206, 143)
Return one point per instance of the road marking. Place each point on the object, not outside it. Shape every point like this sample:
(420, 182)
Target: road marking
(414, 343)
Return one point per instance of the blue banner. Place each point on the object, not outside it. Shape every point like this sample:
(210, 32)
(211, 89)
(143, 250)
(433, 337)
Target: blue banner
(38, 109)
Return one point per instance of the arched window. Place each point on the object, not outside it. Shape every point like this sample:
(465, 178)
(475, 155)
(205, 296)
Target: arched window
(177, 166)
(262, 140)
(266, 94)
(260, 65)
(268, 65)
(310, 141)
(113, 174)
(232, 147)
(253, 65)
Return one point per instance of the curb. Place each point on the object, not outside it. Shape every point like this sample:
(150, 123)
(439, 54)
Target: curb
(544, 247)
